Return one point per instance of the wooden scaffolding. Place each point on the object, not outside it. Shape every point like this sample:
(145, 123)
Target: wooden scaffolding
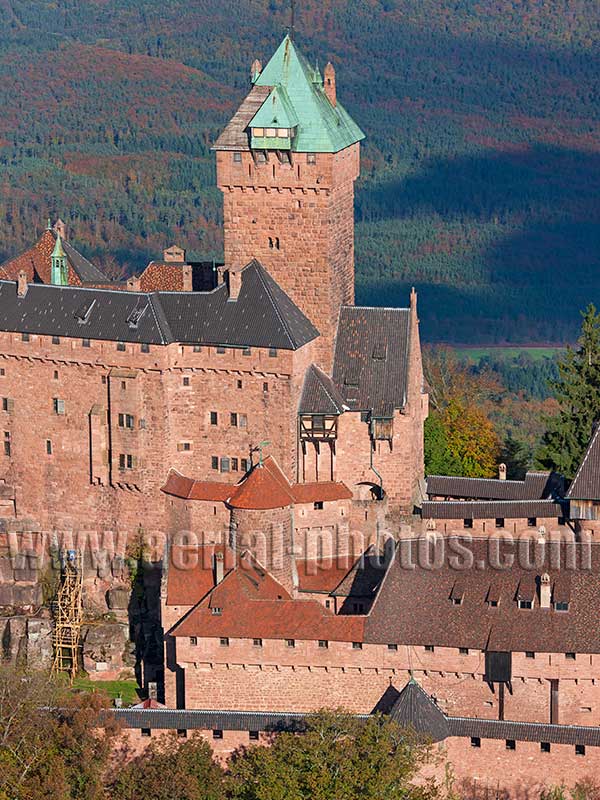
(68, 612)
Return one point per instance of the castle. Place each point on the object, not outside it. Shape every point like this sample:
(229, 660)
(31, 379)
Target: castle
(267, 435)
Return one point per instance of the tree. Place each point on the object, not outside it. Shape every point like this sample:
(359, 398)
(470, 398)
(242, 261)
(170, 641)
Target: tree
(451, 379)
(471, 439)
(337, 758)
(577, 392)
(52, 741)
(438, 458)
(170, 769)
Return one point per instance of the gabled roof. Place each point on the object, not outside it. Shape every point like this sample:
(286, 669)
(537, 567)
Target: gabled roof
(321, 126)
(491, 509)
(371, 361)
(320, 395)
(265, 487)
(277, 111)
(536, 486)
(36, 262)
(414, 708)
(586, 483)
(262, 316)
(185, 587)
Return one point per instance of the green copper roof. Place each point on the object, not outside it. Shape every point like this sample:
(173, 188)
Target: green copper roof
(276, 112)
(321, 127)
(58, 251)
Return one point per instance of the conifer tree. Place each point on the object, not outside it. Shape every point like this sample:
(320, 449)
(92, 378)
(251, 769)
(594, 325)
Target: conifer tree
(577, 391)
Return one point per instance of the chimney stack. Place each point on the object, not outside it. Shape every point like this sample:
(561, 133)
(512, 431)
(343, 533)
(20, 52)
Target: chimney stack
(234, 281)
(133, 283)
(545, 591)
(60, 228)
(329, 83)
(255, 69)
(187, 277)
(218, 567)
(174, 254)
(502, 472)
(22, 285)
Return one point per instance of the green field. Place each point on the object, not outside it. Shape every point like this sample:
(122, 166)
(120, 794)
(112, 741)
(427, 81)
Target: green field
(127, 690)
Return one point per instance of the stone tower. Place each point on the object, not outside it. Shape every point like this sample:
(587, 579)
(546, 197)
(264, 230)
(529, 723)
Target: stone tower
(286, 164)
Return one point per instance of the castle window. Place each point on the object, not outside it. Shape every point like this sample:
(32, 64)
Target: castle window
(55, 376)
(323, 644)
(224, 641)
(6, 443)
(318, 506)
(25, 337)
(493, 603)
(499, 522)
(532, 522)
(475, 741)
(467, 523)
(234, 464)
(258, 132)
(392, 647)
(48, 447)
(146, 731)
(193, 641)
(271, 133)
(233, 419)
(464, 651)
(123, 386)
(545, 747)
(121, 347)
(271, 242)
(2, 371)
(214, 418)
(265, 387)
(290, 643)
(243, 420)
(196, 348)
(58, 405)
(260, 156)
(357, 645)
(579, 749)
(221, 350)
(126, 421)
(217, 733)
(225, 464)
(561, 606)
(311, 158)
(525, 604)
(272, 352)
(125, 461)
(358, 608)
(181, 733)
(186, 381)
(56, 340)
(239, 384)
(257, 642)
(429, 648)
(244, 464)
(216, 611)
(277, 242)
(237, 158)
(7, 404)
(246, 351)
(529, 654)
(185, 446)
(145, 348)
(570, 656)
(511, 744)
(85, 342)
(214, 462)
(253, 735)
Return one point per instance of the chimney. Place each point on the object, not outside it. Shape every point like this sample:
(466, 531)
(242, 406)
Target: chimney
(60, 228)
(234, 281)
(329, 83)
(545, 591)
(255, 69)
(187, 277)
(22, 286)
(174, 254)
(502, 472)
(133, 283)
(218, 567)
(152, 690)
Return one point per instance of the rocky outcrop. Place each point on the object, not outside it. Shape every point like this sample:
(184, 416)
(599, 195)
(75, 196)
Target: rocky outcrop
(27, 641)
(107, 651)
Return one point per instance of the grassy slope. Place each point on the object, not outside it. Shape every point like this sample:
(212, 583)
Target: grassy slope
(480, 170)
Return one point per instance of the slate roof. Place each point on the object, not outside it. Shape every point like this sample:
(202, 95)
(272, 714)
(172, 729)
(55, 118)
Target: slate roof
(490, 509)
(414, 606)
(262, 316)
(192, 719)
(320, 395)
(536, 486)
(586, 483)
(321, 127)
(414, 708)
(371, 361)
(364, 577)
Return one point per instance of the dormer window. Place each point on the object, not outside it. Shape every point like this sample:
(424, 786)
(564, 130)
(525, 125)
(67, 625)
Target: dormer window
(561, 606)
(525, 603)
(216, 611)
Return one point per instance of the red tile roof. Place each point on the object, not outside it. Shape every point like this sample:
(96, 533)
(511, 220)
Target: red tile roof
(264, 487)
(35, 262)
(186, 586)
(162, 277)
(253, 605)
(323, 575)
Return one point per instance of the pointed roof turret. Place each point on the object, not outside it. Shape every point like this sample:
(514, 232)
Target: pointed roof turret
(414, 708)
(296, 88)
(58, 251)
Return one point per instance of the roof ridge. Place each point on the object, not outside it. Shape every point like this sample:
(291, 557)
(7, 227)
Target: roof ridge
(322, 374)
(154, 297)
(587, 453)
(262, 272)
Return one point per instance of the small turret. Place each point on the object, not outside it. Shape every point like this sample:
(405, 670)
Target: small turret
(60, 270)
(255, 70)
(329, 83)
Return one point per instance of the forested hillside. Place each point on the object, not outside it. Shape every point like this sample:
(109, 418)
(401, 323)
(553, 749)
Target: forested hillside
(480, 172)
